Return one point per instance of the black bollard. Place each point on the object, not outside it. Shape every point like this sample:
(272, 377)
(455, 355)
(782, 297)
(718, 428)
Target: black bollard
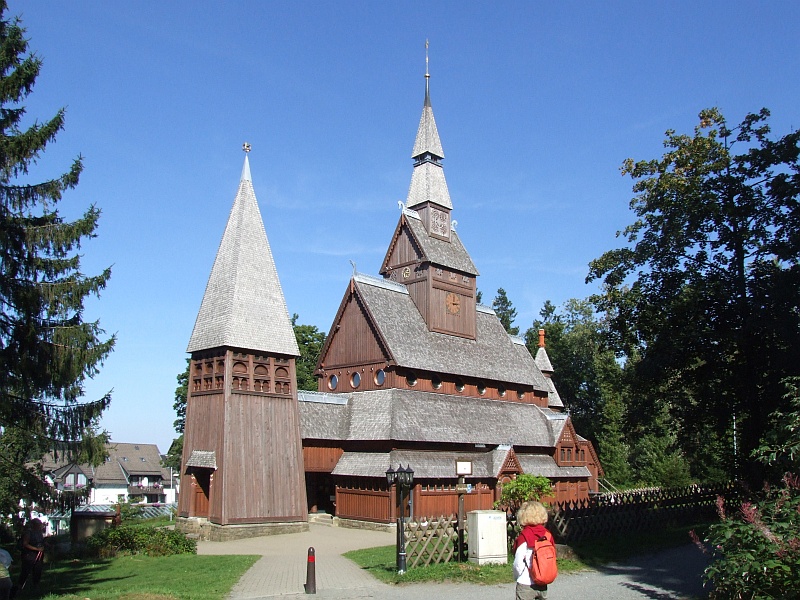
(311, 572)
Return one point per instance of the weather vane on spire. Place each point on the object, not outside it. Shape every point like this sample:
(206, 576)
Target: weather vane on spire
(426, 58)
(246, 147)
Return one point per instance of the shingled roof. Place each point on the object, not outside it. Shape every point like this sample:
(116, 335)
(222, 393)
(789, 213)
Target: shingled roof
(427, 181)
(450, 254)
(413, 416)
(243, 305)
(427, 464)
(492, 355)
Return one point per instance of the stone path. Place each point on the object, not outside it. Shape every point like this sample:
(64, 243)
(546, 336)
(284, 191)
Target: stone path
(281, 572)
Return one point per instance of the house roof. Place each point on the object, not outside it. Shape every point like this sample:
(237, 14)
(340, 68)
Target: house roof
(413, 416)
(543, 360)
(427, 464)
(441, 464)
(243, 305)
(492, 355)
(206, 459)
(538, 464)
(123, 460)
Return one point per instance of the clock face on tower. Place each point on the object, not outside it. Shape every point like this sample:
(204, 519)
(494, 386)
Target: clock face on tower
(453, 303)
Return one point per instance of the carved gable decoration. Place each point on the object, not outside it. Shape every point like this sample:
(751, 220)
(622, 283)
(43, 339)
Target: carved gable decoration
(511, 464)
(568, 436)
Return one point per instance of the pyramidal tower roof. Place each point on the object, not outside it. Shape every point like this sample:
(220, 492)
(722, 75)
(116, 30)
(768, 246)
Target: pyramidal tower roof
(243, 305)
(427, 181)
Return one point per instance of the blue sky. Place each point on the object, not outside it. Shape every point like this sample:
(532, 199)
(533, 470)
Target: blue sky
(537, 105)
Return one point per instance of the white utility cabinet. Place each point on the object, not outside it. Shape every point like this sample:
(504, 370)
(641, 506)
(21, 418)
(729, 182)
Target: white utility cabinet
(487, 537)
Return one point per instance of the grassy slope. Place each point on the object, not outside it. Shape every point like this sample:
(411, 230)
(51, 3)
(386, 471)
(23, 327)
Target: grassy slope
(178, 577)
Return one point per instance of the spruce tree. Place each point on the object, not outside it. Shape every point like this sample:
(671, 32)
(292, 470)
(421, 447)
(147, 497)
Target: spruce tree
(47, 350)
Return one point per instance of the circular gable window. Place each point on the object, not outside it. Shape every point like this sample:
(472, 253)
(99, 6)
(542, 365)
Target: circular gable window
(411, 378)
(481, 388)
(355, 380)
(501, 389)
(436, 381)
(333, 381)
(459, 385)
(380, 377)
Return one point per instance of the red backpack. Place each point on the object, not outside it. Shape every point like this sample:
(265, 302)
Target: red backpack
(543, 568)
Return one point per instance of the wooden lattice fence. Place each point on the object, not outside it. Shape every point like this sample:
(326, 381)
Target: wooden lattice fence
(636, 510)
(431, 540)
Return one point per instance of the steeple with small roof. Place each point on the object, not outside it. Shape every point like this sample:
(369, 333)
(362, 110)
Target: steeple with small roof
(428, 193)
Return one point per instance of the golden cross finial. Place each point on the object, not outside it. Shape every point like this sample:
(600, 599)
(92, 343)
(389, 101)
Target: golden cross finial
(426, 58)
(246, 147)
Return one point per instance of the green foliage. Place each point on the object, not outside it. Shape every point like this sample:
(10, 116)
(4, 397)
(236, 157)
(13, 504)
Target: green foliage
(310, 341)
(181, 393)
(613, 448)
(704, 294)
(756, 548)
(585, 370)
(505, 311)
(174, 454)
(132, 539)
(47, 351)
(525, 487)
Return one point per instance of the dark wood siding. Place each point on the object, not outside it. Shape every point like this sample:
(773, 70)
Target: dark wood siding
(263, 464)
(320, 459)
(354, 341)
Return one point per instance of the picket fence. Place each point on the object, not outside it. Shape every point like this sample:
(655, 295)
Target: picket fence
(637, 510)
(432, 540)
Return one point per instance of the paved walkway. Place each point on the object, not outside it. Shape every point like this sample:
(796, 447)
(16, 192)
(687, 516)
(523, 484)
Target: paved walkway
(281, 572)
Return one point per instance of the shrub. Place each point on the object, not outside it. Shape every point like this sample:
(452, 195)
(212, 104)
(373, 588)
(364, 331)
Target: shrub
(525, 487)
(756, 548)
(131, 539)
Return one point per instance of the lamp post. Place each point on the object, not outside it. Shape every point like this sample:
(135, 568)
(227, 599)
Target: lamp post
(402, 478)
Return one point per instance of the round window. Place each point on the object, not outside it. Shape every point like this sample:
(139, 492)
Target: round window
(333, 381)
(411, 378)
(355, 380)
(459, 385)
(436, 381)
(380, 377)
(481, 388)
(501, 390)
(520, 394)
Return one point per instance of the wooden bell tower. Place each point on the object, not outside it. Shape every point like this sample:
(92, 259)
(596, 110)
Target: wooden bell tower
(242, 455)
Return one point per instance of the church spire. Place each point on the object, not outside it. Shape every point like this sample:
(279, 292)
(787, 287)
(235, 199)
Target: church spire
(427, 181)
(427, 141)
(243, 305)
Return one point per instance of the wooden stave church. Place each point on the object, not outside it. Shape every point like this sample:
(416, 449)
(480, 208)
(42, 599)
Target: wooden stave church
(413, 372)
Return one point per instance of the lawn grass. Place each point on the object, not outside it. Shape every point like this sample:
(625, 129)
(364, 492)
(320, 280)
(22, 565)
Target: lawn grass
(381, 561)
(177, 577)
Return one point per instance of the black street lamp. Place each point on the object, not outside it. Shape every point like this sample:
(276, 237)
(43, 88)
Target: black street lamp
(403, 478)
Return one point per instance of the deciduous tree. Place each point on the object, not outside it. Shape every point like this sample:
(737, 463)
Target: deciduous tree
(707, 288)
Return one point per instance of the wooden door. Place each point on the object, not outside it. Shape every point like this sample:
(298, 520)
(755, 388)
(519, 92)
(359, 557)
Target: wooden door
(200, 489)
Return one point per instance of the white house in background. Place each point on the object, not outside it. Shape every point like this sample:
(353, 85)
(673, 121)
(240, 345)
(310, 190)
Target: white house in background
(130, 473)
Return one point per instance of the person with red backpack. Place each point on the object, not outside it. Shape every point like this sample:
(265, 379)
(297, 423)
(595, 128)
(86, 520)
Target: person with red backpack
(534, 553)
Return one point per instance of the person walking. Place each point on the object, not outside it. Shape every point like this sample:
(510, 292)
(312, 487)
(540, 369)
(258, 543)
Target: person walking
(531, 516)
(5, 576)
(32, 554)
